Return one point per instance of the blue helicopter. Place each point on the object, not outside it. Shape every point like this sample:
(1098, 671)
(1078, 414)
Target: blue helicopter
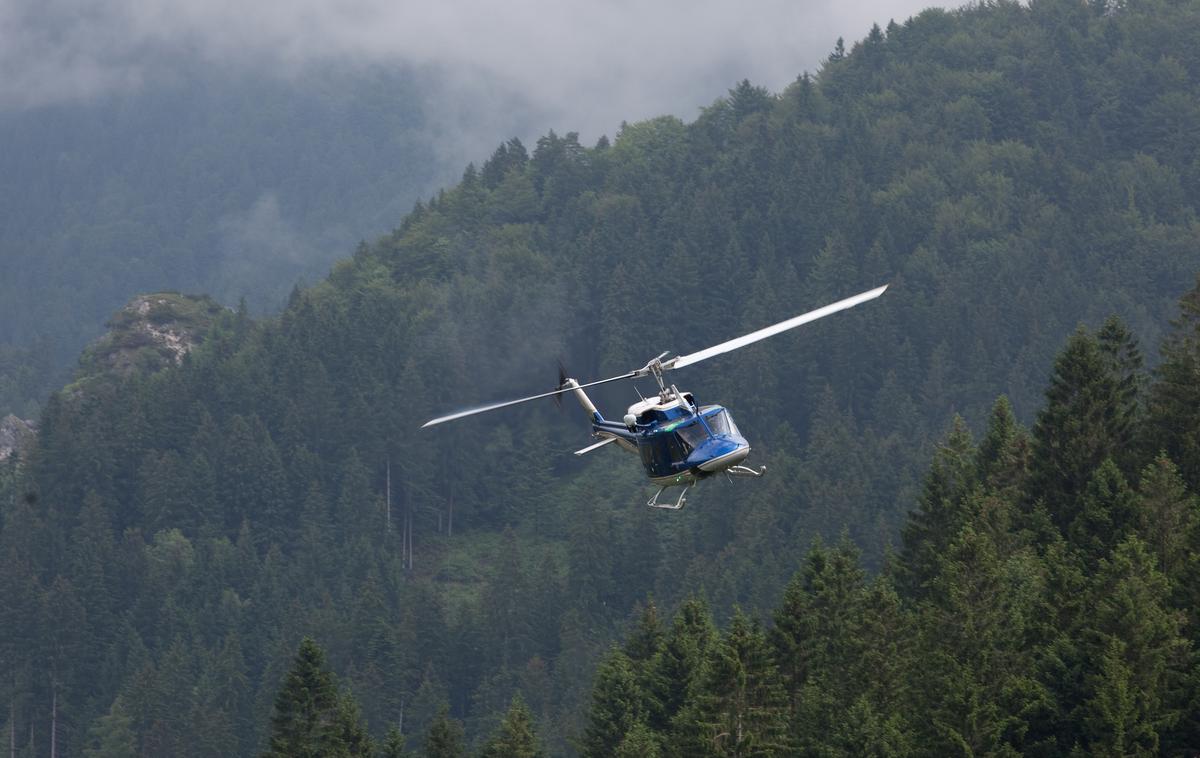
(679, 442)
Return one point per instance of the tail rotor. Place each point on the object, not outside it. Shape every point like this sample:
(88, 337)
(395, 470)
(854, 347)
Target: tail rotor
(562, 381)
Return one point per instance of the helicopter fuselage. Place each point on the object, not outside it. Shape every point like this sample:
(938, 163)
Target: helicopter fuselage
(678, 442)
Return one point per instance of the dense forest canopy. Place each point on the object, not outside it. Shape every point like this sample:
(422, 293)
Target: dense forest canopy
(1013, 170)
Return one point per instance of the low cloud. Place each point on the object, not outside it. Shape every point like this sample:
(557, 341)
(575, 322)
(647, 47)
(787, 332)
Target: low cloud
(581, 65)
(262, 232)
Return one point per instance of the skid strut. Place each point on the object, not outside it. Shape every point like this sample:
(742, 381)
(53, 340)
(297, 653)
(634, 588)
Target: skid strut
(653, 502)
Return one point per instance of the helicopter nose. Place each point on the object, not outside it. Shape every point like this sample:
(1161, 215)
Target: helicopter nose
(719, 454)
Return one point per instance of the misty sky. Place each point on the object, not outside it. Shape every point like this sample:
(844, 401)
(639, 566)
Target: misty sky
(582, 66)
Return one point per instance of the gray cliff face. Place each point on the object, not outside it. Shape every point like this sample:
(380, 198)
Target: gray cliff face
(16, 435)
(150, 333)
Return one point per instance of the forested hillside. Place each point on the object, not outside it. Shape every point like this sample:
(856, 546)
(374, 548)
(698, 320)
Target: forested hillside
(1012, 171)
(1044, 600)
(217, 181)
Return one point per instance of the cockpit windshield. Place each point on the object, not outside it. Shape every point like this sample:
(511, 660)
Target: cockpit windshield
(693, 434)
(721, 422)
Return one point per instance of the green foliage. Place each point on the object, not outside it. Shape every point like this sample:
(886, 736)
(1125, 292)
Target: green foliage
(1077, 429)
(1174, 403)
(1020, 638)
(173, 532)
(111, 735)
(393, 744)
(943, 507)
(618, 706)
(311, 717)
(1138, 657)
(445, 737)
(739, 707)
(515, 737)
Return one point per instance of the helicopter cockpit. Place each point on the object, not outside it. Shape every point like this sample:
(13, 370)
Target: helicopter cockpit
(711, 421)
(692, 441)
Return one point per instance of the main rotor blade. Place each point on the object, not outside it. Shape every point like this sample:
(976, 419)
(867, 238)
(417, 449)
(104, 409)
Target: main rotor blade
(496, 406)
(770, 331)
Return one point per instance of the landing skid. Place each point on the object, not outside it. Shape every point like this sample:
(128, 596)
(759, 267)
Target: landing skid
(682, 501)
(653, 502)
(746, 471)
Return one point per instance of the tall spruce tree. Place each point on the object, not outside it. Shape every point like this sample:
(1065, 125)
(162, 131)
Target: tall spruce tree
(675, 671)
(445, 737)
(1138, 661)
(516, 737)
(1002, 461)
(311, 718)
(740, 708)
(618, 705)
(1120, 347)
(1174, 402)
(1077, 429)
(941, 512)
(974, 680)
(1108, 514)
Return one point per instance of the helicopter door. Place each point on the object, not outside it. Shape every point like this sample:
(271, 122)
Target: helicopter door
(661, 451)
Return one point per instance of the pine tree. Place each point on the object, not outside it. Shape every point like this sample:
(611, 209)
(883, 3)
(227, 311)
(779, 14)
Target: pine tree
(1002, 460)
(1168, 516)
(516, 736)
(306, 720)
(1174, 397)
(941, 511)
(740, 708)
(445, 737)
(393, 744)
(675, 671)
(1079, 426)
(647, 636)
(973, 679)
(618, 705)
(1108, 514)
(111, 735)
(881, 673)
(1137, 657)
(1124, 357)
(351, 736)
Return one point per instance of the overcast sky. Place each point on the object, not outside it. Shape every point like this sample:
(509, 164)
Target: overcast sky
(580, 65)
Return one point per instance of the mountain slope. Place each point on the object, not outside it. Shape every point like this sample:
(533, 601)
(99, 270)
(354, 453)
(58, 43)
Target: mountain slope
(1011, 170)
(231, 183)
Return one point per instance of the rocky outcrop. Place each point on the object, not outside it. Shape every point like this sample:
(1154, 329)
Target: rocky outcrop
(15, 436)
(150, 333)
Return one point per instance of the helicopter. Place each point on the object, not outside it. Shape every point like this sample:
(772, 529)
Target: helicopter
(679, 441)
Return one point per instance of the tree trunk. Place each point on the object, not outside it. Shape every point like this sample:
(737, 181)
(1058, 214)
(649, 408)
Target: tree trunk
(410, 542)
(54, 724)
